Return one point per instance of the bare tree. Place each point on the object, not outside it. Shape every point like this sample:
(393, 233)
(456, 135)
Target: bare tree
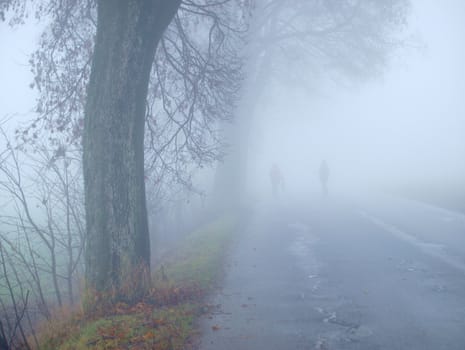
(306, 42)
(196, 70)
(42, 223)
(193, 86)
(12, 326)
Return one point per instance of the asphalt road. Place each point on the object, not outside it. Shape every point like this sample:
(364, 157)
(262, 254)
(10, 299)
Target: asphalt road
(378, 273)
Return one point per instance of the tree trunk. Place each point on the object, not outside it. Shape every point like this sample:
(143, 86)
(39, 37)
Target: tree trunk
(231, 175)
(117, 245)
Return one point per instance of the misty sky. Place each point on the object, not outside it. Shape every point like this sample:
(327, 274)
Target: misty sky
(408, 125)
(405, 128)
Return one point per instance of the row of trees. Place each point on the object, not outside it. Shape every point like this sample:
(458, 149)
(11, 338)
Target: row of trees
(145, 92)
(306, 43)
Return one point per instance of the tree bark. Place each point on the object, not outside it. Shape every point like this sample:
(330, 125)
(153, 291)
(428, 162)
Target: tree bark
(117, 245)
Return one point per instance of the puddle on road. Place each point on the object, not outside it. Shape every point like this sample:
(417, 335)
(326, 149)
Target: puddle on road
(411, 266)
(302, 248)
(342, 320)
(343, 325)
(336, 339)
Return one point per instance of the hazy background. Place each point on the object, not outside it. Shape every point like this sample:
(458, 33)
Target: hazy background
(404, 128)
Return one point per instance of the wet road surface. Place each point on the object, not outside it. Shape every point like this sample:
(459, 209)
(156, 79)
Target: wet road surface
(379, 273)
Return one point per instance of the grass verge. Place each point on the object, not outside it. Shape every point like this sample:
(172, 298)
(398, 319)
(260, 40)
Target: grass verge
(165, 319)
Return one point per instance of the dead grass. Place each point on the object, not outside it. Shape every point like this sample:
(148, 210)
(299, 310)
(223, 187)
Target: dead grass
(162, 319)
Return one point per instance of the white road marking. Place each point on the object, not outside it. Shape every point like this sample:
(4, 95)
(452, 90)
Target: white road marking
(431, 249)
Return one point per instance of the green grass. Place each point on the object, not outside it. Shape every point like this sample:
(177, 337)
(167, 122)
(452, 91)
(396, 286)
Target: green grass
(199, 258)
(166, 319)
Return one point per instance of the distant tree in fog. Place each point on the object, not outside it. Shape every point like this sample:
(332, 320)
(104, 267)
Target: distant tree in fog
(304, 42)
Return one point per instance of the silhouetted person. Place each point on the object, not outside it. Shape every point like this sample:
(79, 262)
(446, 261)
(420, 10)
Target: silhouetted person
(276, 180)
(324, 176)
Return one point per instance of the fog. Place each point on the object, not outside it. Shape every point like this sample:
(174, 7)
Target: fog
(399, 128)
(18, 44)
(314, 171)
(404, 128)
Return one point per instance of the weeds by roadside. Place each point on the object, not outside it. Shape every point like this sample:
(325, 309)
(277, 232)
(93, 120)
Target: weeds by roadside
(165, 317)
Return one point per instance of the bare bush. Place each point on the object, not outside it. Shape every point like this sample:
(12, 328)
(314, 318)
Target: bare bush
(41, 231)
